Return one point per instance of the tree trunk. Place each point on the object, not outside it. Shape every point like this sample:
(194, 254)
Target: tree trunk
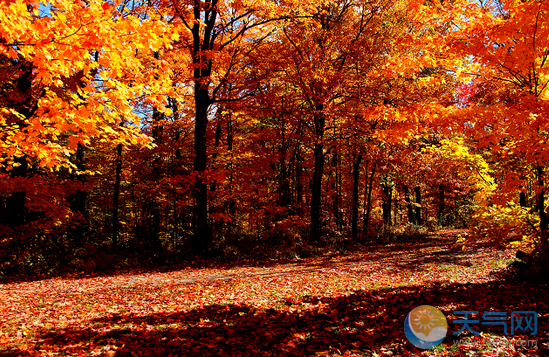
(175, 109)
(394, 199)
(217, 142)
(418, 219)
(79, 199)
(154, 224)
(337, 188)
(522, 197)
(316, 185)
(232, 202)
(116, 195)
(316, 192)
(410, 207)
(356, 174)
(202, 42)
(298, 177)
(369, 199)
(15, 203)
(543, 219)
(284, 196)
(543, 260)
(202, 227)
(441, 205)
(386, 203)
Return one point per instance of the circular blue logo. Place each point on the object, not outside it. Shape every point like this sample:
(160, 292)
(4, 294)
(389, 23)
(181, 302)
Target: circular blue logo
(425, 327)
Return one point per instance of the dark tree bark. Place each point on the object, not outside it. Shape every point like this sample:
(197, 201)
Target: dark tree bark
(441, 205)
(387, 203)
(22, 101)
(337, 189)
(409, 205)
(116, 195)
(418, 219)
(154, 225)
(298, 181)
(316, 193)
(79, 199)
(356, 177)
(543, 218)
(230, 136)
(318, 173)
(173, 104)
(522, 197)
(369, 197)
(283, 190)
(217, 142)
(217, 225)
(541, 254)
(205, 15)
(394, 199)
(15, 204)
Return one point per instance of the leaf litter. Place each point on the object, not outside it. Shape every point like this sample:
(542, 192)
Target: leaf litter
(334, 305)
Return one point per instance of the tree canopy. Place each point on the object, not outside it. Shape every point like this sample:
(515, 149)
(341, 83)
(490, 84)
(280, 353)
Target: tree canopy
(187, 128)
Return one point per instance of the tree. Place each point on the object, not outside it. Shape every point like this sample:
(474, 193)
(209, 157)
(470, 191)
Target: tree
(324, 50)
(505, 99)
(222, 35)
(64, 84)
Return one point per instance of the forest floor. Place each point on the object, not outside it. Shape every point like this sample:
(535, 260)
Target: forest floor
(335, 305)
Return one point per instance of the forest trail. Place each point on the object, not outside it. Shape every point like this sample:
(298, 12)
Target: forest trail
(331, 305)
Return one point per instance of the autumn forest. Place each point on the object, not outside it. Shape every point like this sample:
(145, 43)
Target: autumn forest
(274, 177)
(154, 130)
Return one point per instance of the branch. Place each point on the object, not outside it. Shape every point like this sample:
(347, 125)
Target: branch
(248, 27)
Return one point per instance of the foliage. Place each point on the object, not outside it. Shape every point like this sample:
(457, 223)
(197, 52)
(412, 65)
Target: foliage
(506, 225)
(504, 106)
(152, 131)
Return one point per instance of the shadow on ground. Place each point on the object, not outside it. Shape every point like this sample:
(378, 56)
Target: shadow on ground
(389, 247)
(363, 321)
